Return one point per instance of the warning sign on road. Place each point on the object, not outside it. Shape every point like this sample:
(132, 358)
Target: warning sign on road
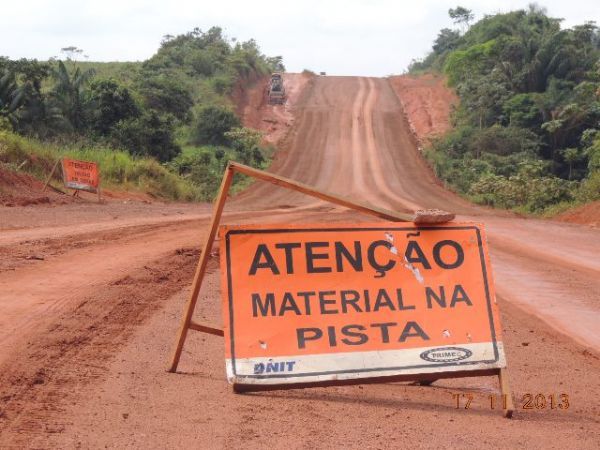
(81, 175)
(306, 304)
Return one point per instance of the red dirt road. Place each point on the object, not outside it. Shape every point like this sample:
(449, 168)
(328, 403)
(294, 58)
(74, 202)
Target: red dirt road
(87, 332)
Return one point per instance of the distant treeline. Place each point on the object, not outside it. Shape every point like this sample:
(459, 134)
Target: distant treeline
(176, 99)
(527, 131)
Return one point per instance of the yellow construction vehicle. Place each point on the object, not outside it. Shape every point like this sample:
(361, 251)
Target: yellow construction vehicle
(276, 90)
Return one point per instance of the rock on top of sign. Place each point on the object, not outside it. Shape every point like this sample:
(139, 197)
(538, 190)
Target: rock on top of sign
(423, 216)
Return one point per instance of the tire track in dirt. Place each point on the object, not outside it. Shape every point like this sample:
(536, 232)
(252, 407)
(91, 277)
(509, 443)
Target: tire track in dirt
(356, 143)
(397, 199)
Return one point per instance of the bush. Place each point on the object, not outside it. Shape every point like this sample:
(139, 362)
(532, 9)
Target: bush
(167, 94)
(212, 124)
(246, 143)
(110, 103)
(503, 141)
(149, 135)
(532, 194)
(200, 166)
(589, 190)
(222, 84)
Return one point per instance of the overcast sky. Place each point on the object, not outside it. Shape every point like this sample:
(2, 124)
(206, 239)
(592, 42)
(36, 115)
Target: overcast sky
(341, 37)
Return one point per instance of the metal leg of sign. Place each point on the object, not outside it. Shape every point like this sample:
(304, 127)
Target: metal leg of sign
(206, 329)
(50, 176)
(186, 322)
(508, 406)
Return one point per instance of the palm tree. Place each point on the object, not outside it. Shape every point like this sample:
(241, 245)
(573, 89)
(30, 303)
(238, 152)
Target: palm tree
(11, 96)
(571, 156)
(69, 93)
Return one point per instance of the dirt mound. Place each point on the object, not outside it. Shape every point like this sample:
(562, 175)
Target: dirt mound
(273, 120)
(427, 103)
(588, 214)
(21, 189)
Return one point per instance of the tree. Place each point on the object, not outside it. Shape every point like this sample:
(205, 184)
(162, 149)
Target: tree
(276, 63)
(504, 141)
(11, 97)
(212, 124)
(447, 40)
(461, 16)
(110, 103)
(24, 107)
(69, 93)
(150, 134)
(71, 52)
(523, 110)
(571, 157)
(167, 94)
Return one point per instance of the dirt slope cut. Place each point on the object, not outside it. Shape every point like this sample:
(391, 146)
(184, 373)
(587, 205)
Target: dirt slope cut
(427, 102)
(586, 214)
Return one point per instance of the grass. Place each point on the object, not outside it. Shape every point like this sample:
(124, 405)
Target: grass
(119, 170)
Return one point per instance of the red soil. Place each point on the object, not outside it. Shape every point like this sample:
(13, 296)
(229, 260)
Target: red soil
(587, 214)
(427, 103)
(20, 189)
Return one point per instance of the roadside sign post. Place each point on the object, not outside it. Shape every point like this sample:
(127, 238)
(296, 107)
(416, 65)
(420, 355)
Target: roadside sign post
(321, 305)
(80, 176)
(50, 175)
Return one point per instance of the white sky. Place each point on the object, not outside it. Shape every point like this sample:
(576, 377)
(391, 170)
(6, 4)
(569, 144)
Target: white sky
(340, 37)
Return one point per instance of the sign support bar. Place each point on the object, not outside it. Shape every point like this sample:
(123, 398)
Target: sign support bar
(201, 269)
(51, 173)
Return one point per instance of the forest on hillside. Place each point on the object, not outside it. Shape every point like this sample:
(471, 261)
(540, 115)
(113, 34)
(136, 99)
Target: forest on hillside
(173, 107)
(526, 135)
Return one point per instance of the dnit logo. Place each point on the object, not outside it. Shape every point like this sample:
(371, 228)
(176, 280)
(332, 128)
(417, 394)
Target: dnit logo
(274, 367)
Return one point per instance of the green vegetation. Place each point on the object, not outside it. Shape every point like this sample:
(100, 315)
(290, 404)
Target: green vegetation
(527, 131)
(204, 165)
(146, 111)
(119, 168)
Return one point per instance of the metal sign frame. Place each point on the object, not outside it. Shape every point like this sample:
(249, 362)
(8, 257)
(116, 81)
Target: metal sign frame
(61, 161)
(420, 217)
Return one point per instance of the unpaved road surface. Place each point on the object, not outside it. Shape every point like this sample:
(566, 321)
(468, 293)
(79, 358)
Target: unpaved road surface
(90, 303)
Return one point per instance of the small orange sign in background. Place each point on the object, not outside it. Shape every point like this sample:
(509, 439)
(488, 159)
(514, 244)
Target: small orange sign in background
(307, 303)
(81, 175)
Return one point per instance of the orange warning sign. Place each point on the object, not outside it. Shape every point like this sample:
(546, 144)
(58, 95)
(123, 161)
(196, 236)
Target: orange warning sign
(82, 175)
(306, 303)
